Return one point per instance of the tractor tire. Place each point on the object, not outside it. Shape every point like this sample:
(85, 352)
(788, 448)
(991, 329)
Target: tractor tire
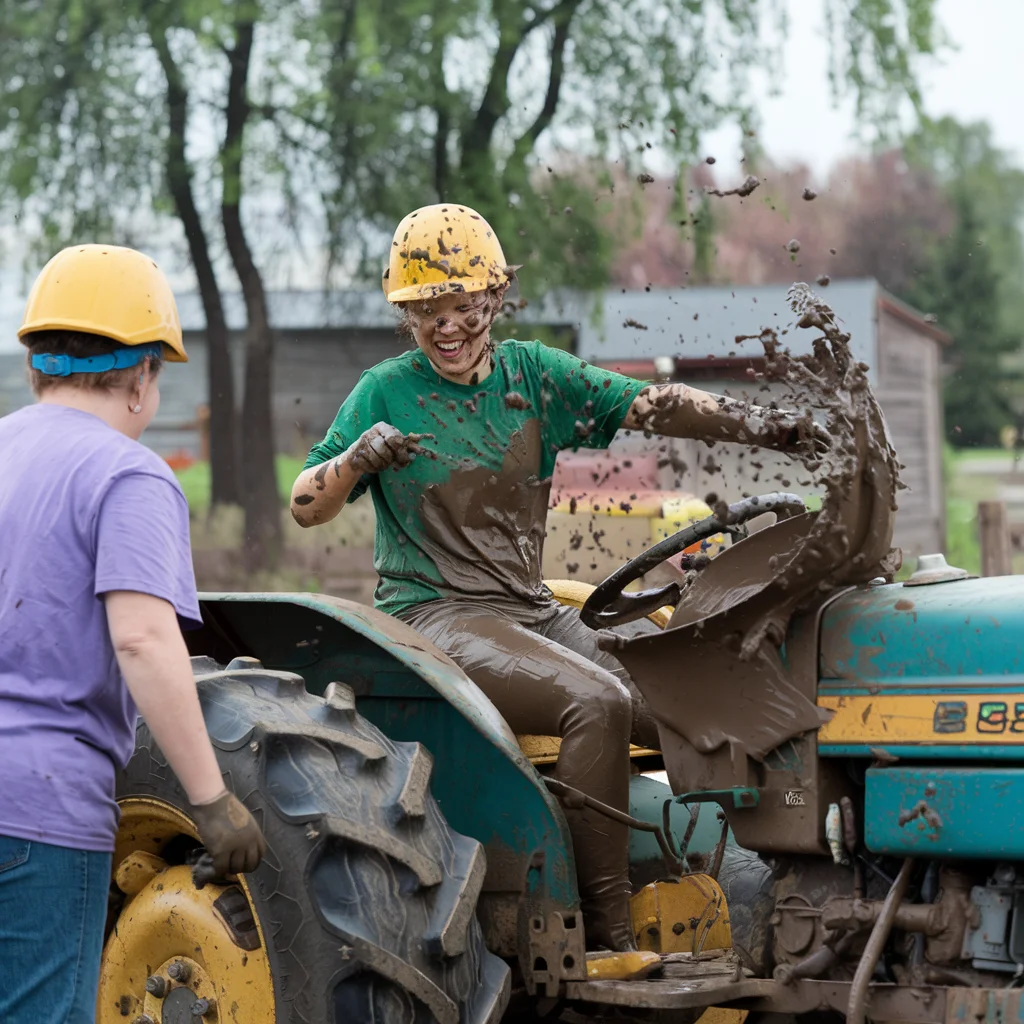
(366, 899)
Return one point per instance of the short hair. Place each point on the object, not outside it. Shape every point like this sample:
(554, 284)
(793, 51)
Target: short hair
(79, 345)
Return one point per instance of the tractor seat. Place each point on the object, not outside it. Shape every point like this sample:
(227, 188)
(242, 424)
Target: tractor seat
(544, 749)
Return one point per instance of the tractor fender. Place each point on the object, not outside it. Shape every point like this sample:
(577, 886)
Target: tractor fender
(412, 691)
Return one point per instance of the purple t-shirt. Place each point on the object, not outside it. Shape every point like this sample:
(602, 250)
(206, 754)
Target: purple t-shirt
(84, 510)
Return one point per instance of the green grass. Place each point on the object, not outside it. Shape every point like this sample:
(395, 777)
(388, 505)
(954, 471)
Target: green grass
(195, 481)
(962, 548)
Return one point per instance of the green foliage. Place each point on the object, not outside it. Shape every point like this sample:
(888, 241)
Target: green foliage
(972, 278)
(874, 47)
(521, 108)
(195, 482)
(360, 111)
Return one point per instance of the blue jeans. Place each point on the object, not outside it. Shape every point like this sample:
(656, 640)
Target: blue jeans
(53, 906)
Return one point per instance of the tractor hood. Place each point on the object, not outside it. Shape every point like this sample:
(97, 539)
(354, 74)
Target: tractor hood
(934, 671)
(966, 630)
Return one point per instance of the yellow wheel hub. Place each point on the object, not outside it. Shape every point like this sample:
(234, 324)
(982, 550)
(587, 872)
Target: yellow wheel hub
(177, 954)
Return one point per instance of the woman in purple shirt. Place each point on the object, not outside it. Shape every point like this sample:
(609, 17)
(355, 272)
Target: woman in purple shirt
(95, 584)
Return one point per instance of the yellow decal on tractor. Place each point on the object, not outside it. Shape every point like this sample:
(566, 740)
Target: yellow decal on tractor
(919, 718)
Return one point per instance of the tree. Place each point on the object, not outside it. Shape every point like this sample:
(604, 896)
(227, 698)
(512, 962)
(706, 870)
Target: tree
(225, 482)
(525, 109)
(341, 115)
(961, 288)
(81, 150)
(80, 156)
(972, 280)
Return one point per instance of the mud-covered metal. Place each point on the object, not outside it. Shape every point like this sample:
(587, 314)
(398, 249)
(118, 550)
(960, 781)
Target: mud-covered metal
(931, 673)
(557, 950)
(647, 799)
(411, 691)
(681, 915)
(729, 628)
(963, 812)
(927, 638)
(610, 605)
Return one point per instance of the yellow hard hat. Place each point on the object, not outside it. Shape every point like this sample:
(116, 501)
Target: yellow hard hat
(109, 290)
(443, 248)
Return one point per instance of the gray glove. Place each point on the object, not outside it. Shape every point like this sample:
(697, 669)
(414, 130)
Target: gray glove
(230, 834)
(382, 446)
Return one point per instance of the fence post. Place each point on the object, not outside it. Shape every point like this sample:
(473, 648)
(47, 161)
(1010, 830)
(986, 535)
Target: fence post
(994, 535)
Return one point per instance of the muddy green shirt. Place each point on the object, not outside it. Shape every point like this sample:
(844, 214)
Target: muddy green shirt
(469, 520)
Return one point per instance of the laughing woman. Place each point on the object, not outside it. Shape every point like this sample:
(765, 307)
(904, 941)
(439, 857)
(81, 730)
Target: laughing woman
(456, 441)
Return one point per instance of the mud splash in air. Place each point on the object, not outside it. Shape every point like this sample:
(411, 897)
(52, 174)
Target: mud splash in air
(737, 695)
(860, 475)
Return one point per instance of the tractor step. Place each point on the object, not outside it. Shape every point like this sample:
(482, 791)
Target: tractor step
(671, 981)
(670, 993)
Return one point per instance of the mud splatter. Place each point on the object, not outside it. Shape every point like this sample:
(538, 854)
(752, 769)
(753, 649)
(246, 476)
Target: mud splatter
(732, 615)
(645, 179)
(809, 195)
(746, 189)
(485, 529)
(630, 322)
(514, 400)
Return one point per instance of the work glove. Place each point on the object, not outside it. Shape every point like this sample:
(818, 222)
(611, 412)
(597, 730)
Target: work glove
(230, 834)
(790, 432)
(383, 445)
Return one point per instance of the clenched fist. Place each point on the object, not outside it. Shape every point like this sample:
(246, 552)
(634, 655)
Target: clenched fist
(382, 446)
(230, 834)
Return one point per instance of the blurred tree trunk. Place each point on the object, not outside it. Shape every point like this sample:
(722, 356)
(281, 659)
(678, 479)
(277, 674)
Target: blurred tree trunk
(224, 468)
(260, 497)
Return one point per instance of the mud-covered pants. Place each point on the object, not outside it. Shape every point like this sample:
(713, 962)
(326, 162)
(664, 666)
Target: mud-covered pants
(543, 670)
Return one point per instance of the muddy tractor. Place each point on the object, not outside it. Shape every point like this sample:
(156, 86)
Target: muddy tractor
(840, 831)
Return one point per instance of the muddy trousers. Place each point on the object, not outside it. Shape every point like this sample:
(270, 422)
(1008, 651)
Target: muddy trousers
(543, 670)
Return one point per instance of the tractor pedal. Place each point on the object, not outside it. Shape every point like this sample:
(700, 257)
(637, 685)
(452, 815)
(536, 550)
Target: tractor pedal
(621, 966)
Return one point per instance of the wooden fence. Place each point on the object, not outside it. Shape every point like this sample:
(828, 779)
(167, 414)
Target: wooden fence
(997, 538)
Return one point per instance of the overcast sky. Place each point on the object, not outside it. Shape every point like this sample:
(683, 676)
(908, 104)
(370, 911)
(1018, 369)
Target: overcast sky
(982, 79)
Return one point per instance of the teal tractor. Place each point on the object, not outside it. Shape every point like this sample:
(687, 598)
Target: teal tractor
(841, 831)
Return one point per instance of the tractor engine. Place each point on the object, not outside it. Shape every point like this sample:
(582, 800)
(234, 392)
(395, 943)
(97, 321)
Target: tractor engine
(962, 923)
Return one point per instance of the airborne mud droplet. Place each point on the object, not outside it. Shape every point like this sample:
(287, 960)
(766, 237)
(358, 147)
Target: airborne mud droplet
(743, 190)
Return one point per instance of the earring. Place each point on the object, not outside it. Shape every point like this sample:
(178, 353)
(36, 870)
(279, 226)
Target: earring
(137, 408)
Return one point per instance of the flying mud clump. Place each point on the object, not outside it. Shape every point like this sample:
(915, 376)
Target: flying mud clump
(830, 383)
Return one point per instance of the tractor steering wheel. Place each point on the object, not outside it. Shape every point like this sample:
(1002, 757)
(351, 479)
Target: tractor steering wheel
(608, 605)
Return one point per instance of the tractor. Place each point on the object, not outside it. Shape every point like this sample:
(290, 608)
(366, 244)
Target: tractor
(838, 835)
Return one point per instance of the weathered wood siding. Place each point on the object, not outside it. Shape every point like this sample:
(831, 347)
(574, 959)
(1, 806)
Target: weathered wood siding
(909, 389)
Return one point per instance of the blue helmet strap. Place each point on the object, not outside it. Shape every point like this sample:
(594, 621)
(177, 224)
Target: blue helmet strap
(121, 359)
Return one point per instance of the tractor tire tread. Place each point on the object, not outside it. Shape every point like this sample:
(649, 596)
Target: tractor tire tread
(366, 897)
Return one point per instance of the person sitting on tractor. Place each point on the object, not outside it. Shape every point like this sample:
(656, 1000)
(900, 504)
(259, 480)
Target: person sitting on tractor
(95, 577)
(456, 441)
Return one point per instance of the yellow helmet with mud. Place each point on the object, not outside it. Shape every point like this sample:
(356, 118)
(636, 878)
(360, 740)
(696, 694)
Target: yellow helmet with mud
(108, 290)
(443, 248)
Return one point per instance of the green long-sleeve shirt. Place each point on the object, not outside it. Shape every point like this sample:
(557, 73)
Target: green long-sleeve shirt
(468, 520)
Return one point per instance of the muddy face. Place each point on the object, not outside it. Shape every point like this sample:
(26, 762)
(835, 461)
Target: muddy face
(453, 332)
